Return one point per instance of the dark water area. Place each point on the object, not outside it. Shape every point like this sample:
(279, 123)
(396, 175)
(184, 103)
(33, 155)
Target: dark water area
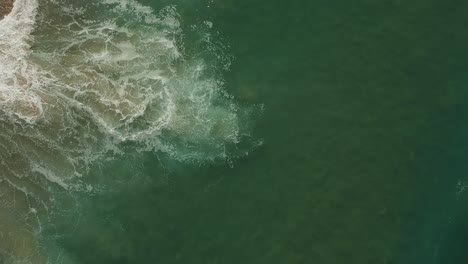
(5, 7)
(364, 155)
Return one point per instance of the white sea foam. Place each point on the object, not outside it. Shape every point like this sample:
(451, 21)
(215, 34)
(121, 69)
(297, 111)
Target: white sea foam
(18, 82)
(100, 74)
(79, 80)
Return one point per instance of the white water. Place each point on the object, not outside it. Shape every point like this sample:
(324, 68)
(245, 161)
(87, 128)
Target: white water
(100, 75)
(18, 81)
(85, 82)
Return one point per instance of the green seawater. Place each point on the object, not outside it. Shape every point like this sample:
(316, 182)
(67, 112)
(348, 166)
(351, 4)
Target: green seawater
(336, 133)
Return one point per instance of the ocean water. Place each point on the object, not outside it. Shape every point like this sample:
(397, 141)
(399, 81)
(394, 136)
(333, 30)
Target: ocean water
(233, 132)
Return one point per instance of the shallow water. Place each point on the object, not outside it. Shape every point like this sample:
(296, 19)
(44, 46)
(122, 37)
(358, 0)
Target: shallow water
(233, 132)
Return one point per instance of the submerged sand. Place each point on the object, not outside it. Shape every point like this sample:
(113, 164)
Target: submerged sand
(5, 7)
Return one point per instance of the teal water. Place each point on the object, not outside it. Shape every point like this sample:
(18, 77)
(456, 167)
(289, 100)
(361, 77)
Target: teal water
(235, 132)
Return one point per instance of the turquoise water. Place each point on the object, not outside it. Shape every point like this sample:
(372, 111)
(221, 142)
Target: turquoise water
(233, 132)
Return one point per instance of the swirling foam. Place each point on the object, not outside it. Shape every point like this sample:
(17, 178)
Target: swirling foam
(101, 75)
(86, 81)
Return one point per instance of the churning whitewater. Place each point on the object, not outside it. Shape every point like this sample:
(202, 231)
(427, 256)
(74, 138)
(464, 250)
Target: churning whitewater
(82, 82)
(96, 75)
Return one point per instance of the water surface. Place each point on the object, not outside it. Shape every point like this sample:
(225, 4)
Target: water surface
(234, 132)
